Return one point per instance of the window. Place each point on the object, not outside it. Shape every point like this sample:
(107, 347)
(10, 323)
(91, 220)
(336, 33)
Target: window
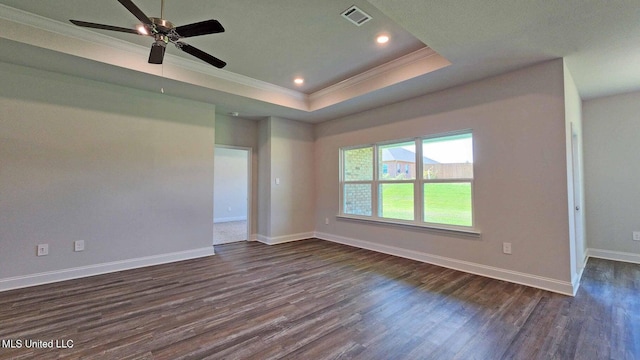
(387, 182)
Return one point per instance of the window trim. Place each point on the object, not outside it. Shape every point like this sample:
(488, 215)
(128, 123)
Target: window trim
(411, 224)
(419, 182)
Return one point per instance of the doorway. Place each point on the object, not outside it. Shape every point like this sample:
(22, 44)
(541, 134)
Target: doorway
(231, 188)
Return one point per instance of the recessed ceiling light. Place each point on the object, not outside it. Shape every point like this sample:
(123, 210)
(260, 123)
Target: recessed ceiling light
(298, 81)
(382, 39)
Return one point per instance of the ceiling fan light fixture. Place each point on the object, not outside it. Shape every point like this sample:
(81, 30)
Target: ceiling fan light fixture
(142, 30)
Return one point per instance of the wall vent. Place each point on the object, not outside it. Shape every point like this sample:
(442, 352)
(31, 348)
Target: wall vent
(355, 15)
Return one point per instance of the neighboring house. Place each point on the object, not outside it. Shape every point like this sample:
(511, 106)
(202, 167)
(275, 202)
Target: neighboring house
(397, 161)
(401, 161)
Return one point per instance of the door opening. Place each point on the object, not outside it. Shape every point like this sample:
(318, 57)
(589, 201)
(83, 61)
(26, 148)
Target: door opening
(231, 194)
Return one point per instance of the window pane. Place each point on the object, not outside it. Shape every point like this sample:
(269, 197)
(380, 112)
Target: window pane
(357, 199)
(399, 161)
(396, 201)
(448, 203)
(358, 164)
(448, 157)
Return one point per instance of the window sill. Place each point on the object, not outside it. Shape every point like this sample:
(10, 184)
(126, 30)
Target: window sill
(438, 228)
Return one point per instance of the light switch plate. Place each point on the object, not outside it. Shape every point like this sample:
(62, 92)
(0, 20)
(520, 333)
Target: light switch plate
(636, 235)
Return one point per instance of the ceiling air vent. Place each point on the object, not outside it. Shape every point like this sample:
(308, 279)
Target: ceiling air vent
(355, 15)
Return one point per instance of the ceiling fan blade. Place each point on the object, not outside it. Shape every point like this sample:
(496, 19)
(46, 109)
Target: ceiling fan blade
(157, 54)
(200, 28)
(103, 27)
(201, 55)
(136, 12)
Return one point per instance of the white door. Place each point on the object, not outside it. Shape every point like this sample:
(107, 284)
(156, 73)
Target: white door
(230, 194)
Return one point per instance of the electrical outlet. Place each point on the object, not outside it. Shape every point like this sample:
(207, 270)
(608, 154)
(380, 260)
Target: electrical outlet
(229, 208)
(43, 249)
(78, 245)
(326, 221)
(506, 248)
(636, 235)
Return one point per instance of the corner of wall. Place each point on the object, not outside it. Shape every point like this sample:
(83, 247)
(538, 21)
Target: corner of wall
(575, 174)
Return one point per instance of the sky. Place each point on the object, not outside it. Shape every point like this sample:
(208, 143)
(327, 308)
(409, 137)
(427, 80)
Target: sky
(456, 150)
(452, 151)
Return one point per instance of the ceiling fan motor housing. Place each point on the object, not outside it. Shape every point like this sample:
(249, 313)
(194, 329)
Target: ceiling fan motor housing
(162, 30)
(161, 25)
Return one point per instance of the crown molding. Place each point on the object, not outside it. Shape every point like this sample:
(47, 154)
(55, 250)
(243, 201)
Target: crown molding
(412, 65)
(26, 18)
(376, 71)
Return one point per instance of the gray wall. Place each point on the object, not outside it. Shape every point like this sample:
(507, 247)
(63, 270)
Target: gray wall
(129, 172)
(518, 123)
(612, 170)
(292, 161)
(286, 153)
(264, 177)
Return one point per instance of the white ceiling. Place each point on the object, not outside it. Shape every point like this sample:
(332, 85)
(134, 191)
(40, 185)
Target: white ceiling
(268, 43)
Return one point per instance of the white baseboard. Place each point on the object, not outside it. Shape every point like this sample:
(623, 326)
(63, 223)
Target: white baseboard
(97, 269)
(229, 219)
(562, 287)
(614, 255)
(576, 282)
(578, 275)
(283, 239)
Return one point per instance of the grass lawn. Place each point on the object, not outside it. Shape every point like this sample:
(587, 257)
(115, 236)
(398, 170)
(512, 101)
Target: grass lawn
(396, 201)
(444, 203)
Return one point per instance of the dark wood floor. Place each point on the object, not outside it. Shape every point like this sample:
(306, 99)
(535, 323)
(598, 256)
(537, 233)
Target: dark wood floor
(318, 300)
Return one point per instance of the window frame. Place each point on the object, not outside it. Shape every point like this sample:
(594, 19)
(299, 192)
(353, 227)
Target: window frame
(418, 187)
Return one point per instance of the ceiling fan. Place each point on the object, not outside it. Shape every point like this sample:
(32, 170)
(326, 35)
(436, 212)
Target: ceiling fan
(165, 32)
